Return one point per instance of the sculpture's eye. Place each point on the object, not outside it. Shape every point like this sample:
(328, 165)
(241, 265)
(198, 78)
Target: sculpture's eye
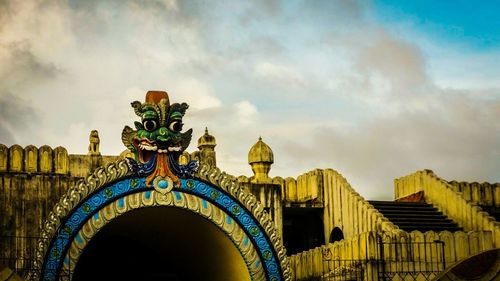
(149, 124)
(176, 126)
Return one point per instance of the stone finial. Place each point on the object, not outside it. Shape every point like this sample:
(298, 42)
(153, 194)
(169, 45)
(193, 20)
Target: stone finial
(206, 146)
(260, 157)
(206, 141)
(94, 143)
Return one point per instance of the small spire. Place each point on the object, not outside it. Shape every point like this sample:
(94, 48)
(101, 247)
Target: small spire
(206, 130)
(260, 138)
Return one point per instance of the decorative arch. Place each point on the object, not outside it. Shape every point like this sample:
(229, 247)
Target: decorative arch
(176, 199)
(114, 190)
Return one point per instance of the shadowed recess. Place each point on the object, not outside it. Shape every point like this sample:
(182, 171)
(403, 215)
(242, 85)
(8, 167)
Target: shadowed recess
(161, 243)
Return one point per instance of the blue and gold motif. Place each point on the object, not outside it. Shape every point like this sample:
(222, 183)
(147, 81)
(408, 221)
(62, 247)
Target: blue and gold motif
(133, 193)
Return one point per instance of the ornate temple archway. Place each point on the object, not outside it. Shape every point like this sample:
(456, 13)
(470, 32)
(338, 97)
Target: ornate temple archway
(131, 199)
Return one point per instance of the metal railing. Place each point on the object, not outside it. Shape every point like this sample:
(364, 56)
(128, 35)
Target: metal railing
(19, 253)
(349, 270)
(393, 261)
(411, 260)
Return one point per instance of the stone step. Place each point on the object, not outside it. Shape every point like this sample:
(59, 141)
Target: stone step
(419, 216)
(429, 228)
(416, 207)
(376, 202)
(404, 212)
(414, 215)
(402, 206)
(412, 209)
(436, 223)
(420, 220)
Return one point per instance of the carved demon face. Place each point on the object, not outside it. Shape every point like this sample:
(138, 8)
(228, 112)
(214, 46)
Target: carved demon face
(158, 140)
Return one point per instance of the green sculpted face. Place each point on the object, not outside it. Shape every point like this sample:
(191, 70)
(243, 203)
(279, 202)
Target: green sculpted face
(158, 131)
(158, 140)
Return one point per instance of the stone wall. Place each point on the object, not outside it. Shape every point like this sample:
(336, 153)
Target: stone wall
(346, 209)
(307, 188)
(360, 252)
(45, 160)
(26, 199)
(33, 160)
(484, 194)
(269, 195)
(342, 206)
(452, 203)
(32, 180)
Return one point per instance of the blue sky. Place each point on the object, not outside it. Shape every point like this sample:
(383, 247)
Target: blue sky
(445, 30)
(472, 24)
(374, 90)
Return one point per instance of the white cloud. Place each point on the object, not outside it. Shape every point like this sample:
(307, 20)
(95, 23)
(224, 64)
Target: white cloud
(342, 93)
(279, 73)
(246, 112)
(199, 95)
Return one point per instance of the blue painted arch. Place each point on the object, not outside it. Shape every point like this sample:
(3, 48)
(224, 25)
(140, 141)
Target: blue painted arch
(112, 192)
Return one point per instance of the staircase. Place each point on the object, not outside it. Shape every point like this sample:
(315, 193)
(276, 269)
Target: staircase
(409, 216)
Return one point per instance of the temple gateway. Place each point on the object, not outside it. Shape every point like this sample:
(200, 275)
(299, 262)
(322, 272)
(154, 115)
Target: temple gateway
(158, 212)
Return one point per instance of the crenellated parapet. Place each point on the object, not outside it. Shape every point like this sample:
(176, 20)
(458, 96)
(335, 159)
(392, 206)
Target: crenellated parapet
(46, 160)
(448, 200)
(308, 187)
(343, 207)
(32, 160)
(347, 209)
(484, 194)
(4, 163)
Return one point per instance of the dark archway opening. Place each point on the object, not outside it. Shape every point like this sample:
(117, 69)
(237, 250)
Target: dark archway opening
(336, 235)
(302, 229)
(161, 243)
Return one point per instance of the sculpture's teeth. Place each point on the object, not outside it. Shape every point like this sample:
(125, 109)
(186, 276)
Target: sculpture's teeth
(174, 148)
(145, 146)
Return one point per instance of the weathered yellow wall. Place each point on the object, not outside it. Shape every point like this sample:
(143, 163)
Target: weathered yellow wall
(61, 161)
(485, 194)
(45, 160)
(452, 203)
(4, 152)
(306, 187)
(343, 206)
(310, 264)
(32, 180)
(25, 202)
(269, 195)
(365, 246)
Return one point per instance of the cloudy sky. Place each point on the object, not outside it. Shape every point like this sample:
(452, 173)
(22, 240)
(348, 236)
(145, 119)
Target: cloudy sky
(371, 89)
